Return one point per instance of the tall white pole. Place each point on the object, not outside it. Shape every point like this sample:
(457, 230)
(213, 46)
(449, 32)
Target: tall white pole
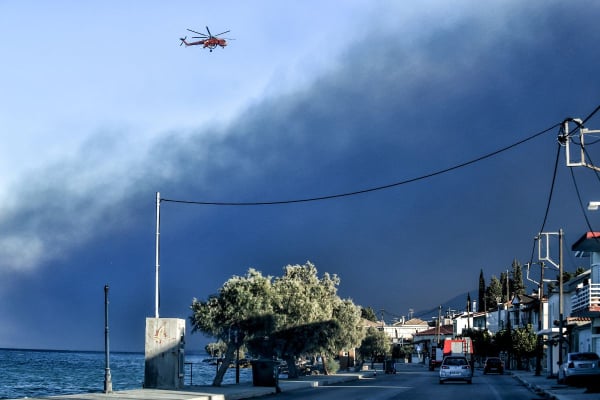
(157, 267)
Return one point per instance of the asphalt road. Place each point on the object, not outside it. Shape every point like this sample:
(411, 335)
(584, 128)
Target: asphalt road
(419, 384)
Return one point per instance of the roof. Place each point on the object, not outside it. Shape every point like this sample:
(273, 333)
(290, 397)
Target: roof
(368, 323)
(412, 321)
(589, 242)
(578, 321)
(525, 299)
(445, 330)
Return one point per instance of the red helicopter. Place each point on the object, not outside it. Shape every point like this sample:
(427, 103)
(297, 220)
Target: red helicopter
(209, 41)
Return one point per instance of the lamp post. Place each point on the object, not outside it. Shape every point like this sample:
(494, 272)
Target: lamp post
(107, 377)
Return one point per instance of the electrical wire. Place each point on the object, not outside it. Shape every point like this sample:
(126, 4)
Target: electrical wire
(592, 163)
(561, 142)
(587, 221)
(551, 189)
(363, 191)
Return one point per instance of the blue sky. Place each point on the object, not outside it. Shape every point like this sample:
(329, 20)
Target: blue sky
(101, 108)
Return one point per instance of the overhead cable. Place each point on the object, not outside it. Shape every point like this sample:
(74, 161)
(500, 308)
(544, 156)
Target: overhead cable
(368, 190)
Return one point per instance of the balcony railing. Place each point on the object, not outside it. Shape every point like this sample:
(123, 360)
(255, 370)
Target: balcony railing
(586, 298)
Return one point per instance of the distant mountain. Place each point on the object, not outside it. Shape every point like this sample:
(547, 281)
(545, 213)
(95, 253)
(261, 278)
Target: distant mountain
(457, 304)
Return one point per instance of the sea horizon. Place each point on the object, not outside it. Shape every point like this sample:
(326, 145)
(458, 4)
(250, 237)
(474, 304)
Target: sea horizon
(50, 372)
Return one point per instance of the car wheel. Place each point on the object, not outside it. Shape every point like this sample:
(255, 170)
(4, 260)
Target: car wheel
(469, 381)
(441, 382)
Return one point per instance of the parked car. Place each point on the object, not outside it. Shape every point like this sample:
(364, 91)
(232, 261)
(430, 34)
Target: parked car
(456, 368)
(493, 364)
(579, 367)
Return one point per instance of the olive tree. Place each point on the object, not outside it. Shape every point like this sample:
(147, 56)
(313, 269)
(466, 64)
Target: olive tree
(303, 299)
(375, 344)
(293, 315)
(244, 304)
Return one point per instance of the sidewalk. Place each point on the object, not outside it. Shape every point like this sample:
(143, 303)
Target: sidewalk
(225, 392)
(541, 385)
(549, 388)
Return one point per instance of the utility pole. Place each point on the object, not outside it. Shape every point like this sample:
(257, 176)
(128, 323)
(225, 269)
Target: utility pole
(540, 339)
(469, 311)
(507, 302)
(544, 255)
(560, 297)
(439, 324)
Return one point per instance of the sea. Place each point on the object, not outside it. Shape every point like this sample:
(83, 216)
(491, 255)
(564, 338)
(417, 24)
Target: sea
(43, 373)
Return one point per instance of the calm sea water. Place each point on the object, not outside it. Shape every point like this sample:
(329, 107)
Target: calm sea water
(40, 373)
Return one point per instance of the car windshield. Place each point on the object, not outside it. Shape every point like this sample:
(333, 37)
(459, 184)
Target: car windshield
(584, 357)
(455, 361)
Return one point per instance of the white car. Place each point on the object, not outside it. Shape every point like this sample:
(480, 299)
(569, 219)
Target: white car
(579, 366)
(456, 368)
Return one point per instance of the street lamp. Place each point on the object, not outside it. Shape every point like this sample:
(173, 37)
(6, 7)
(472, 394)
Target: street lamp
(107, 376)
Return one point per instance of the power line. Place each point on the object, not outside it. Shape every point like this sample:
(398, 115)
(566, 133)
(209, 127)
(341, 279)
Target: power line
(551, 189)
(364, 191)
(561, 139)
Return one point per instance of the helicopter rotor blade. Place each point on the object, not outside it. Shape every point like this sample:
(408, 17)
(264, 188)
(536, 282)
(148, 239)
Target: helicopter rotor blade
(182, 40)
(197, 32)
(222, 33)
(208, 30)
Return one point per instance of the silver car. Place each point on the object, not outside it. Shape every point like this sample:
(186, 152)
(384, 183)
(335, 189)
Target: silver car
(456, 368)
(579, 366)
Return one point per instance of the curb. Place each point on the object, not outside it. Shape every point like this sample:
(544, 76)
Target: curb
(536, 388)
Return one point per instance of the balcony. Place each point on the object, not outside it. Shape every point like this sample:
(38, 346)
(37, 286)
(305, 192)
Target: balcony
(585, 302)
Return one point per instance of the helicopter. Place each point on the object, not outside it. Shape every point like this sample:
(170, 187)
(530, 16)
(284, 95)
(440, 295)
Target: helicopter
(209, 41)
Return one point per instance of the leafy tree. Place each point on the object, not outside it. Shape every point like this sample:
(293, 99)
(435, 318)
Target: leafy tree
(368, 313)
(302, 298)
(216, 349)
(402, 351)
(243, 303)
(482, 342)
(375, 344)
(567, 276)
(524, 342)
(481, 303)
(493, 293)
(503, 340)
(293, 315)
(347, 314)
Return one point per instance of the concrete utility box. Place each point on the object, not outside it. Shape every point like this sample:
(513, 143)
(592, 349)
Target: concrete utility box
(164, 361)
